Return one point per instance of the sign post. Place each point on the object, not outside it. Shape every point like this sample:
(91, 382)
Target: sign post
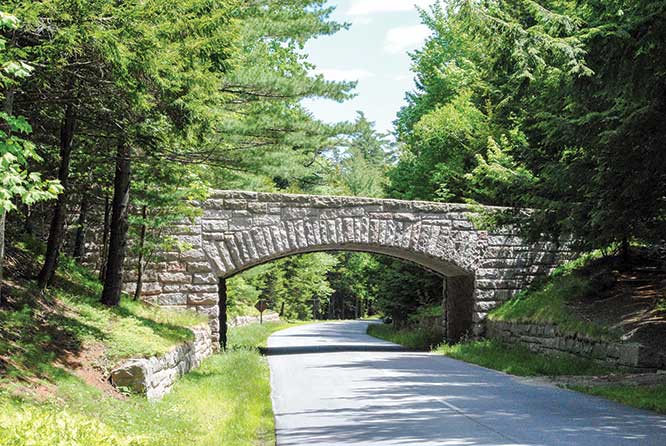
(261, 306)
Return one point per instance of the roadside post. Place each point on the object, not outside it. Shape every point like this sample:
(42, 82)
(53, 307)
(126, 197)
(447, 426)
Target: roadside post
(261, 306)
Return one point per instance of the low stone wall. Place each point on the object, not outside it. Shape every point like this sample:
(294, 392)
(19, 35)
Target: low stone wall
(240, 321)
(155, 376)
(550, 339)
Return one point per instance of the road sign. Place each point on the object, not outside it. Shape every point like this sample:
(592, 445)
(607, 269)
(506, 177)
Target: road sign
(261, 306)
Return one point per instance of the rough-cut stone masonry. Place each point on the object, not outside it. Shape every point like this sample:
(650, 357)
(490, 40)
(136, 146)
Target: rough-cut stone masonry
(155, 376)
(241, 321)
(550, 339)
(239, 230)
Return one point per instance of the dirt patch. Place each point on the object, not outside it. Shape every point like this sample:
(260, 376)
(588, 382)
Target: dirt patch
(87, 365)
(629, 297)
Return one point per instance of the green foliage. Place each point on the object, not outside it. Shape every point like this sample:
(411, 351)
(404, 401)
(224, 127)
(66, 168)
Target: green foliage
(402, 288)
(253, 336)
(294, 281)
(362, 160)
(15, 151)
(642, 397)
(536, 104)
(34, 425)
(412, 338)
(520, 361)
(548, 303)
(32, 332)
(226, 400)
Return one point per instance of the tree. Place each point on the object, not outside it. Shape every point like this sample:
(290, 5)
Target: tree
(549, 105)
(15, 151)
(165, 193)
(363, 160)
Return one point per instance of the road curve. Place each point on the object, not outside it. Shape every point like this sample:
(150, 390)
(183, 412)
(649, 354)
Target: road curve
(334, 385)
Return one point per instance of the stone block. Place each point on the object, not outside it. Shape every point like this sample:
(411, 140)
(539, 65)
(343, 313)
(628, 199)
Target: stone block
(215, 226)
(202, 299)
(207, 278)
(172, 299)
(198, 267)
(182, 278)
(200, 288)
(131, 375)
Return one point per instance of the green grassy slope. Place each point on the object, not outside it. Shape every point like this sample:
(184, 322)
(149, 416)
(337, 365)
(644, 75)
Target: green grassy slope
(46, 341)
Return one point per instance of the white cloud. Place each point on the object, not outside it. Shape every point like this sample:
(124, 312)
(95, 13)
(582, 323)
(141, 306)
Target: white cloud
(335, 74)
(405, 37)
(367, 7)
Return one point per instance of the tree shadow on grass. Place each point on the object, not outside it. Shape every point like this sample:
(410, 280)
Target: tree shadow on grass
(88, 291)
(36, 334)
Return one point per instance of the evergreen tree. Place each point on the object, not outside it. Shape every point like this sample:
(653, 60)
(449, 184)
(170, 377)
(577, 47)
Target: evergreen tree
(15, 151)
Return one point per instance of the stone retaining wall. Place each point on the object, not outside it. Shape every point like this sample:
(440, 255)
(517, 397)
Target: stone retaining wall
(155, 376)
(550, 339)
(240, 321)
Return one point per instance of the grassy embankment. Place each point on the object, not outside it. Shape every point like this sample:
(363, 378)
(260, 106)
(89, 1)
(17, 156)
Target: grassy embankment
(55, 350)
(511, 359)
(547, 302)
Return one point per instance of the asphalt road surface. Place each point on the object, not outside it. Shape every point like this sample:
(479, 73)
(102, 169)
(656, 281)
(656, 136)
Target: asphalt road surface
(334, 385)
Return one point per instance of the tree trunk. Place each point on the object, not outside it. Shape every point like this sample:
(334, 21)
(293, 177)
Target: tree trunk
(8, 107)
(28, 224)
(57, 229)
(3, 217)
(624, 251)
(142, 241)
(222, 305)
(113, 280)
(105, 237)
(80, 241)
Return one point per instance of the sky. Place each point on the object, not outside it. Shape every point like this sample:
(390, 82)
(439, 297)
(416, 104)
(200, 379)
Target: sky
(374, 53)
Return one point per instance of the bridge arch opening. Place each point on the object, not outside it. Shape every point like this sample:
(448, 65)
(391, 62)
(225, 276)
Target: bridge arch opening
(456, 295)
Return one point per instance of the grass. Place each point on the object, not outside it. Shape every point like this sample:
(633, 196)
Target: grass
(414, 339)
(225, 401)
(644, 397)
(513, 359)
(43, 402)
(39, 331)
(520, 361)
(255, 335)
(547, 302)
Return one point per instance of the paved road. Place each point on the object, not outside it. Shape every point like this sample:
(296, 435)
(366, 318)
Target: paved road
(334, 385)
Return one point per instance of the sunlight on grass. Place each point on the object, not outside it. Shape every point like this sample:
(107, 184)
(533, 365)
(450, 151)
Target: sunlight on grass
(547, 303)
(226, 401)
(412, 338)
(518, 360)
(69, 317)
(643, 397)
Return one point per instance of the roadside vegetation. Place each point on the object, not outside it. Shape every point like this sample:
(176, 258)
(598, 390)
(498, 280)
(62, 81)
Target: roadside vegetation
(549, 301)
(511, 359)
(644, 397)
(56, 350)
(520, 361)
(42, 332)
(412, 338)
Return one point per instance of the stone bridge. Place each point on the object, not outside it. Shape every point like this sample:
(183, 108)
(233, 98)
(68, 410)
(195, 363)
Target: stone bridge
(238, 230)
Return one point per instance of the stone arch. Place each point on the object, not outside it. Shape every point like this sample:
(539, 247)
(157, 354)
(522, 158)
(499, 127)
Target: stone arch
(238, 230)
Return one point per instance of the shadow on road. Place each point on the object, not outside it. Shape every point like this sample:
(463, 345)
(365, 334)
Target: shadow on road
(333, 348)
(390, 396)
